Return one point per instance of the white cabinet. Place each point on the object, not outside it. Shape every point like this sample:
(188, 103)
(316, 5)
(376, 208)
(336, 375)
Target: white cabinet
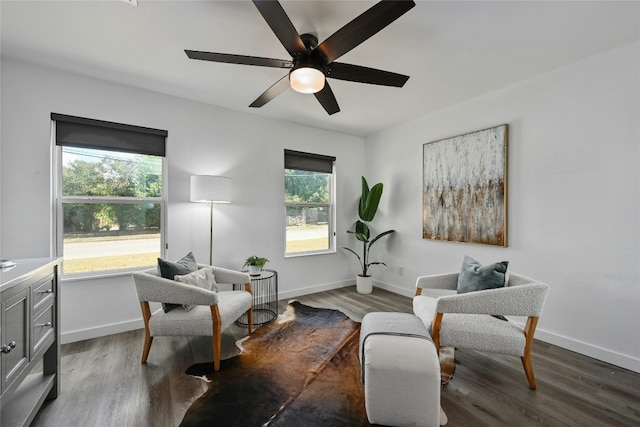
(29, 339)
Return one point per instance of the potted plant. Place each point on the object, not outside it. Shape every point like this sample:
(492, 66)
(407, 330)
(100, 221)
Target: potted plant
(367, 208)
(255, 264)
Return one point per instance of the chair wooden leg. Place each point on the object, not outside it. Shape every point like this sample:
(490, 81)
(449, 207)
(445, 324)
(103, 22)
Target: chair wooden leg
(148, 339)
(528, 369)
(217, 336)
(435, 330)
(247, 287)
(529, 331)
(250, 320)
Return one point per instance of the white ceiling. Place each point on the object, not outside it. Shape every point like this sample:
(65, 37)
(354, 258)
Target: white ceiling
(453, 50)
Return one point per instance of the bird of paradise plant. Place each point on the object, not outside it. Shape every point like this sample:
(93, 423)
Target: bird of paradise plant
(367, 208)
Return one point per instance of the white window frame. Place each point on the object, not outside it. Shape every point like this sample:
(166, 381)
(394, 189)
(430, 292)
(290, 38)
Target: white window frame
(58, 213)
(332, 219)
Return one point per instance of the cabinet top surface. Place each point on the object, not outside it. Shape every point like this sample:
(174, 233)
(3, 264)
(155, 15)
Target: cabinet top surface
(23, 269)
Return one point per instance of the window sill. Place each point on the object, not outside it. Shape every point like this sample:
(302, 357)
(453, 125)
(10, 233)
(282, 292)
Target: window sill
(82, 277)
(303, 254)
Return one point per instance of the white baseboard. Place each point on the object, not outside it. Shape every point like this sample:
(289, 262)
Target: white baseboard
(395, 289)
(314, 289)
(622, 360)
(101, 331)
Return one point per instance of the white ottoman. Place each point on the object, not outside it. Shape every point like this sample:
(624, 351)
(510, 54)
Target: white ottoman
(400, 371)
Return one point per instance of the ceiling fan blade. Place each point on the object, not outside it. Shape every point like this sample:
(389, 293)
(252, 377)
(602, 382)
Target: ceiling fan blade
(276, 89)
(361, 28)
(357, 73)
(327, 99)
(281, 25)
(239, 59)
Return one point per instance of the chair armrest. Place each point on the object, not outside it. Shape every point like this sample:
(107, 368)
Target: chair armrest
(158, 289)
(520, 300)
(224, 275)
(447, 281)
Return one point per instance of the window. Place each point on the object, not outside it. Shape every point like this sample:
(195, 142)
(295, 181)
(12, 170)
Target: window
(308, 201)
(110, 197)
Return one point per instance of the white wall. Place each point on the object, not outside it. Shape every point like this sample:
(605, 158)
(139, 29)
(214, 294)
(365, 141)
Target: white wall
(574, 193)
(202, 140)
(573, 199)
(1, 257)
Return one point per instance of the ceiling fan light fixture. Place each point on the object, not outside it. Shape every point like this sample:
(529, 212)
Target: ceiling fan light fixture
(306, 79)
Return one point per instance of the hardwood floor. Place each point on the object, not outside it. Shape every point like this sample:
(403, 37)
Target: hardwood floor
(104, 383)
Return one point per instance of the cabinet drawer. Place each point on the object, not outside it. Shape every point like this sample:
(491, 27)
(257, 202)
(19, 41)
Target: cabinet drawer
(42, 330)
(43, 293)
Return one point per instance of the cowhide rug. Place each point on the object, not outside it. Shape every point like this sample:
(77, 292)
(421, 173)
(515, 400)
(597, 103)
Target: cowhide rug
(301, 370)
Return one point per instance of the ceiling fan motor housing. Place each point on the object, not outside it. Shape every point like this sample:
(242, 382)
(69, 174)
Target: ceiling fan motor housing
(309, 61)
(309, 40)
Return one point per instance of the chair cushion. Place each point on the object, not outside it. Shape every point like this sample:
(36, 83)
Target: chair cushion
(167, 269)
(475, 277)
(481, 332)
(473, 331)
(425, 308)
(231, 304)
(203, 278)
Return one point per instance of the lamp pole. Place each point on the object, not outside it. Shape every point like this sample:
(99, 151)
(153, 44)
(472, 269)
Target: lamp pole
(211, 236)
(211, 189)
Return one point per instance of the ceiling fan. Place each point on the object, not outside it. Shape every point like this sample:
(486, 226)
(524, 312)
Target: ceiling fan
(311, 62)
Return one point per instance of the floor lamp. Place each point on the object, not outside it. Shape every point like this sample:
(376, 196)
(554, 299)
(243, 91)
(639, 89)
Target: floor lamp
(210, 189)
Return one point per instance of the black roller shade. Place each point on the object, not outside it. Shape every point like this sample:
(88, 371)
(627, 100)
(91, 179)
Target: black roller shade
(308, 161)
(89, 133)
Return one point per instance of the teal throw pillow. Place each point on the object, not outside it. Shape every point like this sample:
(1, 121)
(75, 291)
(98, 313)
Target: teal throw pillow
(187, 264)
(476, 277)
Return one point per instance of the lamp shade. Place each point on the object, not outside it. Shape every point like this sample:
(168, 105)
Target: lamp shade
(306, 79)
(209, 188)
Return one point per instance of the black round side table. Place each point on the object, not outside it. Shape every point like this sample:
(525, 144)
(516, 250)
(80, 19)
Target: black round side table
(265, 298)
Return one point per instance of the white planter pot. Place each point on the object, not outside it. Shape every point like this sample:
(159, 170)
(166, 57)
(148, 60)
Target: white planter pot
(254, 270)
(364, 284)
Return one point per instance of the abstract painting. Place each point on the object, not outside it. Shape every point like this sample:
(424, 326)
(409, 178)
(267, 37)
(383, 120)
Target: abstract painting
(465, 188)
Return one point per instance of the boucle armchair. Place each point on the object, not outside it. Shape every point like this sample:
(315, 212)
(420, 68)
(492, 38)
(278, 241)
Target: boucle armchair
(467, 320)
(213, 312)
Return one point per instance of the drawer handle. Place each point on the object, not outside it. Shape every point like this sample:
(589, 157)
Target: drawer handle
(45, 325)
(47, 291)
(6, 349)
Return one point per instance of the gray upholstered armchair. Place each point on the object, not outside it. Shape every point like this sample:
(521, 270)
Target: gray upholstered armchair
(467, 320)
(213, 311)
